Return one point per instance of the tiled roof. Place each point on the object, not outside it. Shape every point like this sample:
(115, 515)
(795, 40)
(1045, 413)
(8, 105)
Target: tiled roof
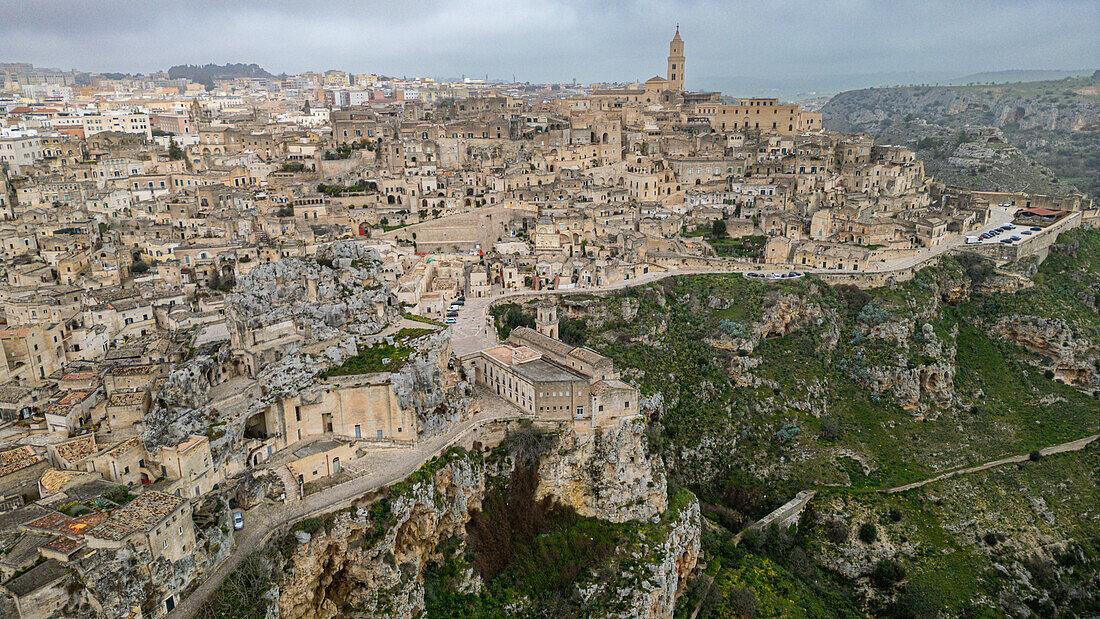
(64, 545)
(133, 370)
(126, 398)
(53, 480)
(124, 447)
(77, 449)
(17, 459)
(140, 515)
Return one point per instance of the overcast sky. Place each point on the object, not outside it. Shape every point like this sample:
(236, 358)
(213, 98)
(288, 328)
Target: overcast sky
(559, 40)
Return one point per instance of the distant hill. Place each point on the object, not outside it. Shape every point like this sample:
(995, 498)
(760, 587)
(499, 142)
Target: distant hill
(207, 73)
(1008, 77)
(1045, 135)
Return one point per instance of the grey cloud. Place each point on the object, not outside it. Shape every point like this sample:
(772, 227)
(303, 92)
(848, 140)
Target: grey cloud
(558, 40)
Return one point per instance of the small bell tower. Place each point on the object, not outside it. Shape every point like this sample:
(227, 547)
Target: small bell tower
(546, 319)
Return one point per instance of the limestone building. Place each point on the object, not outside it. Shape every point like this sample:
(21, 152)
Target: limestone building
(551, 379)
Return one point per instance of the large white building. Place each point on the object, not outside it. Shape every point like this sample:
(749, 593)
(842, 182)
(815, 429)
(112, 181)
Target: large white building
(122, 122)
(19, 147)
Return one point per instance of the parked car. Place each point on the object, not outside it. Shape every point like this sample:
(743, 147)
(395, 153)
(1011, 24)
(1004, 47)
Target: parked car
(1036, 229)
(238, 521)
(454, 307)
(450, 320)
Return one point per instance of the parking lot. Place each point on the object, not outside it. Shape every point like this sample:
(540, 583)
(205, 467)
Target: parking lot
(1005, 234)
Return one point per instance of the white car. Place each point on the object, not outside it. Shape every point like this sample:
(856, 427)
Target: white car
(454, 307)
(238, 521)
(449, 321)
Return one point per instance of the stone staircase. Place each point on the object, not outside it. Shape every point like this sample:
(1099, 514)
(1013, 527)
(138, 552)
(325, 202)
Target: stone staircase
(290, 483)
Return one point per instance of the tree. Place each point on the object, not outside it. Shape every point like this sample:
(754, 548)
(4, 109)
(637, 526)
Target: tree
(830, 428)
(139, 267)
(175, 153)
(718, 228)
(305, 108)
(886, 573)
(868, 532)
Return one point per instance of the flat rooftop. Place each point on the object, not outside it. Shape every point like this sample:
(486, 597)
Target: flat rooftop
(316, 447)
(542, 371)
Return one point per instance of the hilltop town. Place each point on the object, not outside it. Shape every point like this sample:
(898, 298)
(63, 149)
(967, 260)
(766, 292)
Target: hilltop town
(237, 305)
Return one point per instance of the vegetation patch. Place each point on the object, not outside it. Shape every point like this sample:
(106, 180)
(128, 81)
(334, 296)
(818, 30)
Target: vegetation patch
(378, 358)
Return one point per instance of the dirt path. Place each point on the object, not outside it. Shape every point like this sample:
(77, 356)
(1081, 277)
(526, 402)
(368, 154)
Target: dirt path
(1076, 445)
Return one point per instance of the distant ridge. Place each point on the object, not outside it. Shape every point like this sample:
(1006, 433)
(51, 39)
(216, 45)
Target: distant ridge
(207, 73)
(1016, 75)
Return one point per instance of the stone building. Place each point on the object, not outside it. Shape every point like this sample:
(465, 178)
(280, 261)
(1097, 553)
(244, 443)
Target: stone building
(550, 379)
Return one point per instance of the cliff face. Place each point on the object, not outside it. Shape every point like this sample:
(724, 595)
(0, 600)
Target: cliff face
(373, 560)
(1069, 357)
(606, 474)
(662, 574)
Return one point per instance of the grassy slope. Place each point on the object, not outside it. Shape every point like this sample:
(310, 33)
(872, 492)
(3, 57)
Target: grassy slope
(663, 350)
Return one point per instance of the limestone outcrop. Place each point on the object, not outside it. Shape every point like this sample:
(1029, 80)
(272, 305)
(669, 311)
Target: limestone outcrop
(1053, 340)
(606, 474)
(338, 292)
(372, 558)
(661, 569)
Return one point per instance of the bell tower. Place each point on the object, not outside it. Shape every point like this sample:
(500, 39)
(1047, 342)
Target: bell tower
(546, 319)
(676, 62)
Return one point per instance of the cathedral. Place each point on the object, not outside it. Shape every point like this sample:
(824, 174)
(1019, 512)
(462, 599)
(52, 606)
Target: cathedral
(657, 90)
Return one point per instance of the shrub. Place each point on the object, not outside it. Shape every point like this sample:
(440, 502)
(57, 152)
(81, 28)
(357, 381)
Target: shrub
(887, 573)
(1049, 374)
(868, 532)
(913, 603)
(895, 515)
(830, 428)
(837, 532)
(990, 539)
(744, 602)
(732, 328)
(872, 315)
(1035, 456)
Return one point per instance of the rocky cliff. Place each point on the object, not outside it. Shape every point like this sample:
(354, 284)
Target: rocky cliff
(606, 474)
(374, 559)
(371, 559)
(1058, 349)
